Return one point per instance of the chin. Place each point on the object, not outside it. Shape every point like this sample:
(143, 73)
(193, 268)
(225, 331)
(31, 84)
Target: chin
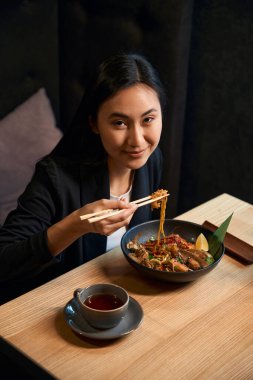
(136, 164)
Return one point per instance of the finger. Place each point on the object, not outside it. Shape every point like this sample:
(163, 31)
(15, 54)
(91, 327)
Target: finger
(121, 216)
(103, 204)
(114, 227)
(122, 203)
(107, 227)
(114, 203)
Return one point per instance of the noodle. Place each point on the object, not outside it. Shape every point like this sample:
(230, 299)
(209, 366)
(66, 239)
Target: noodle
(162, 219)
(157, 204)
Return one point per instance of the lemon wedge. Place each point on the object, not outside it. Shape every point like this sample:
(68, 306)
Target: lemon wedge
(201, 243)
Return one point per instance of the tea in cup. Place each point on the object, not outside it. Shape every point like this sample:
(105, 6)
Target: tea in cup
(102, 305)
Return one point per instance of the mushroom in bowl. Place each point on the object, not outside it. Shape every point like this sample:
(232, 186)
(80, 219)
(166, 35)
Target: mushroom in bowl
(173, 258)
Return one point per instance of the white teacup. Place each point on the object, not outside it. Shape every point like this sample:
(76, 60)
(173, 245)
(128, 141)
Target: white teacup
(102, 305)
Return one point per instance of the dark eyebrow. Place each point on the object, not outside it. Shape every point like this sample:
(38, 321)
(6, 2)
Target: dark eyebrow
(149, 111)
(119, 114)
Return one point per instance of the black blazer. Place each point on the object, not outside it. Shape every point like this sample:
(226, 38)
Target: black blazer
(57, 189)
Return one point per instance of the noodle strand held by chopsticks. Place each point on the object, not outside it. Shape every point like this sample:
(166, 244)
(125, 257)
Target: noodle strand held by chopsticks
(162, 219)
(157, 204)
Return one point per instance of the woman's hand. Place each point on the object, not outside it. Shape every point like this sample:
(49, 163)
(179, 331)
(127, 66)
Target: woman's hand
(69, 229)
(108, 225)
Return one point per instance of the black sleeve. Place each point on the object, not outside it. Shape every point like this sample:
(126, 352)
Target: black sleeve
(23, 237)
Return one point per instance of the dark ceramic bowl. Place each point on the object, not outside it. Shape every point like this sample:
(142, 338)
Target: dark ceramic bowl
(187, 230)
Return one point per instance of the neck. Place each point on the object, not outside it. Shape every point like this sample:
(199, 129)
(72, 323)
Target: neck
(120, 180)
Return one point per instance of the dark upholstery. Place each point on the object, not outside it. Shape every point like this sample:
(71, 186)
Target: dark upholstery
(28, 52)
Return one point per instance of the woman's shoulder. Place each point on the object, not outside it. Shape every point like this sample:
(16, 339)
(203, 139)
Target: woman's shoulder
(57, 170)
(58, 163)
(71, 167)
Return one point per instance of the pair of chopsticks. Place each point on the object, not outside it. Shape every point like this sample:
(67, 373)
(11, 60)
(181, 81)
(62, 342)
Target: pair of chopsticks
(99, 215)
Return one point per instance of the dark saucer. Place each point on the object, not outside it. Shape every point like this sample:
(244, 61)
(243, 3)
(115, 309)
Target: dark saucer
(78, 323)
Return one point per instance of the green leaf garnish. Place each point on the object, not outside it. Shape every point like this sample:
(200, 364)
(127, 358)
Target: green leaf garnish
(209, 260)
(218, 236)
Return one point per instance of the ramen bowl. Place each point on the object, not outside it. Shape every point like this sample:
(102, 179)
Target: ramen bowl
(187, 230)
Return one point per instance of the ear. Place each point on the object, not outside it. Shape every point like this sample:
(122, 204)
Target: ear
(93, 126)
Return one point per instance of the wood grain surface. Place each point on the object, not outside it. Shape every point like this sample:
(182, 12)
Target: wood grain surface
(199, 330)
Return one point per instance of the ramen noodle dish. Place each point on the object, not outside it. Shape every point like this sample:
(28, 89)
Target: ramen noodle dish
(171, 253)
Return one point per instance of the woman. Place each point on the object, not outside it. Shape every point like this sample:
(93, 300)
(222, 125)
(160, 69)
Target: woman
(108, 156)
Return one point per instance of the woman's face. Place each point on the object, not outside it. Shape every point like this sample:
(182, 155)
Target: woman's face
(130, 125)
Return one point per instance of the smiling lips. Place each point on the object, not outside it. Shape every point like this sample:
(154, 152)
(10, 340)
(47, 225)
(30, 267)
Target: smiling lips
(137, 153)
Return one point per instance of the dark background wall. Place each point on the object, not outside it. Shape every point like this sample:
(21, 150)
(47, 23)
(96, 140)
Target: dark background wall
(202, 49)
(28, 52)
(217, 153)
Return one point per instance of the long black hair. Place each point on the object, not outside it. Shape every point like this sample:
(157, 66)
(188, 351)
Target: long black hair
(113, 74)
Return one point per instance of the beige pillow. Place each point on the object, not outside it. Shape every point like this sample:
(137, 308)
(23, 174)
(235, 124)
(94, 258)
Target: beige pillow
(26, 135)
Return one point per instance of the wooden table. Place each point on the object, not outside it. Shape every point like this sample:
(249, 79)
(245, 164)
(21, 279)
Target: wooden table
(199, 330)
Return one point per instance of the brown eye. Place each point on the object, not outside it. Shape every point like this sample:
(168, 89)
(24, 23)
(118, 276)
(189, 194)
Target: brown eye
(119, 123)
(148, 120)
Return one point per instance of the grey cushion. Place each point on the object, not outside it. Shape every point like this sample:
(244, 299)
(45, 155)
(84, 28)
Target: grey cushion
(26, 135)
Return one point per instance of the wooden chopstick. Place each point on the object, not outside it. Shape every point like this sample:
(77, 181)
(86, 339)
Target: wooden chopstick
(153, 200)
(109, 210)
(141, 199)
(140, 202)
(97, 218)
(87, 216)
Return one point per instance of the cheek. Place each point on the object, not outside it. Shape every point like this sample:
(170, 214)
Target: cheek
(112, 140)
(154, 134)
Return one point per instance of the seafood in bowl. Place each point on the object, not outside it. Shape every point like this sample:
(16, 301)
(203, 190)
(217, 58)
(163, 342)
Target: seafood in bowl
(172, 250)
(175, 258)
(172, 253)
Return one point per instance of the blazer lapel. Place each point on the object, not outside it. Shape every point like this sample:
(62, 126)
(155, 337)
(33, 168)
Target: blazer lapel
(141, 189)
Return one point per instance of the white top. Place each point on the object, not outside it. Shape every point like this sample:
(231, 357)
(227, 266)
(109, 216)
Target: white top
(114, 239)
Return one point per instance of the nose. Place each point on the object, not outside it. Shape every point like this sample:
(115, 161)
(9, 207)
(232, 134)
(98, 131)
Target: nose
(135, 135)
